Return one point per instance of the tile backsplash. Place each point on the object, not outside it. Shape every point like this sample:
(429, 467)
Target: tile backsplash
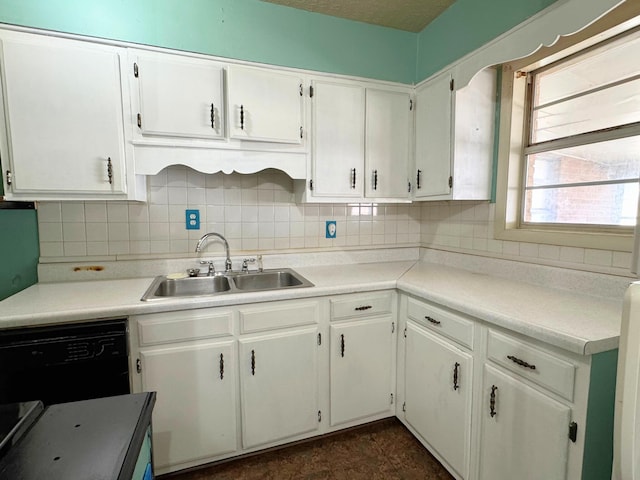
(468, 227)
(254, 212)
(257, 212)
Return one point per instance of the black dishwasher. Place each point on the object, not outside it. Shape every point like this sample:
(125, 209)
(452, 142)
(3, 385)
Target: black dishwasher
(64, 363)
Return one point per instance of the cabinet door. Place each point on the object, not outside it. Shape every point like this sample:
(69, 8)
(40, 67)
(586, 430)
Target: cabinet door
(180, 96)
(195, 413)
(433, 137)
(388, 127)
(337, 140)
(265, 105)
(361, 369)
(438, 384)
(279, 386)
(63, 114)
(532, 427)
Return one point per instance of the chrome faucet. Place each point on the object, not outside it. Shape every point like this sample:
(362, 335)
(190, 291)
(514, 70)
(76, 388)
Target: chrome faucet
(204, 238)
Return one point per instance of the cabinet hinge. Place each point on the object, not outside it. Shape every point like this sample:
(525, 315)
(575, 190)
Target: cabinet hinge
(311, 184)
(451, 83)
(392, 399)
(139, 121)
(319, 416)
(319, 339)
(301, 90)
(410, 104)
(138, 366)
(404, 406)
(300, 132)
(450, 182)
(135, 70)
(9, 178)
(409, 187)
(311, 91)
(393, 327)
(405, 332)
(573, 431)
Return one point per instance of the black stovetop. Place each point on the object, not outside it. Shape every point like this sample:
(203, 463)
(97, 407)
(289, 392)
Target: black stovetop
(15, 421)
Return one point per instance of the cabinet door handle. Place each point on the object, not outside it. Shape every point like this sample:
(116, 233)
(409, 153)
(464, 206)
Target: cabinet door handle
(375, 179)
(456, 368)
(342, 345)
(432, 320)
(353, 178)
(241, 117)
(110, 171)
(418, 175)
(363, 307)
(522, 363)
(213, 116)
(492, 401)
(253, 362)
(221, 366)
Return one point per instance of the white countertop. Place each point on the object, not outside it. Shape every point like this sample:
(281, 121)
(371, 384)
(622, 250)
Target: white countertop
(578, 323)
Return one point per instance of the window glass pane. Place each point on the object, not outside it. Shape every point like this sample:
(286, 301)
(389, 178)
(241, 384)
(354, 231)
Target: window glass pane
(602, 109)
(612, 160)
(591, 205)
(611, 204)
(592, 70)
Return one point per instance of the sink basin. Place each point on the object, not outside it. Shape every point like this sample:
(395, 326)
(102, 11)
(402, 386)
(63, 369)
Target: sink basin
(269, 280)
(235, 282)
(163, 287)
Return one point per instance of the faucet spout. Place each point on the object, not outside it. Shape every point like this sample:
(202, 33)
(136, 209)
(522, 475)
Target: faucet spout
(205, 237)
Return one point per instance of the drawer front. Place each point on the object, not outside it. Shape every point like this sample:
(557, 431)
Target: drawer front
(439, 320)
(182, 326)
(540, 367)
(361, 305)
(270, 316)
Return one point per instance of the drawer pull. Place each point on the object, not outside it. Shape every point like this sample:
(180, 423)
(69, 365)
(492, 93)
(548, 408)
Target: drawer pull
(342, 345)
(221, 366)
(522, 363)
(363, 307)
(456, 368)
(432, 320)
(492, 401)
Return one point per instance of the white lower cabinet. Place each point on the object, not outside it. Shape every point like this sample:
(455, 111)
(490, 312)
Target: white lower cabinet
(279, 386)
(195, 413)
(438, 387)
(524, 432)
(361, 369)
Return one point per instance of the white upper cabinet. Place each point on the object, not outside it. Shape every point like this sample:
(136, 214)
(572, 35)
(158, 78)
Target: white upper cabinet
(388, 127)
(337, 124)
(454, 138)
(62, 125)
(360, 142)
(179, 95)
(265, 105)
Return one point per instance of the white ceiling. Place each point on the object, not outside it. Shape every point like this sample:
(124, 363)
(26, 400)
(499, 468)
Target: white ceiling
(409, 15)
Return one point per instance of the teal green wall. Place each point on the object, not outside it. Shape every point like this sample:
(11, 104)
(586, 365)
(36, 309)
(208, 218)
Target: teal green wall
(243, 29)
(19, 250)
(467, 25)
(598, 447)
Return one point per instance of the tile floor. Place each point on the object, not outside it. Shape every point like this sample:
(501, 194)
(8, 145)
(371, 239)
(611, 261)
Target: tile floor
(382, 450)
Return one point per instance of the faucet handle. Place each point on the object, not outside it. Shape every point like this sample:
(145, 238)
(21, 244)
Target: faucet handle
(212, 270)
(246, 262)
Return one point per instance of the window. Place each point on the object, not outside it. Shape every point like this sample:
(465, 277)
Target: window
(569, 139)
(582, 154)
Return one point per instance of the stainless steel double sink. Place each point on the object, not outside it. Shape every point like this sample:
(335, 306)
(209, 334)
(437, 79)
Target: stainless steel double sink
(163, 287)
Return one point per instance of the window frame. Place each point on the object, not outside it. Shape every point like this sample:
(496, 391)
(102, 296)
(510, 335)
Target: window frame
(514, 135)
